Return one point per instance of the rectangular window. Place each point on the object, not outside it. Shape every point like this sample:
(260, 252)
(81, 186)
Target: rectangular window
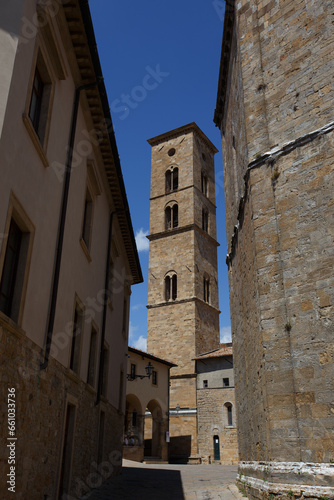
(10, 268)
(226, 382)
(36, 100)
(105, 361)
(65, 476)
(92, 358)
(87, 219)
(133, 371)
(17, 255)
(154, 377)
(39, 106)
(205, 384)
(76, 340)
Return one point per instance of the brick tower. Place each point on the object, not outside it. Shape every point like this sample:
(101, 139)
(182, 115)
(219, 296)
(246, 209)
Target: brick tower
(183, 314)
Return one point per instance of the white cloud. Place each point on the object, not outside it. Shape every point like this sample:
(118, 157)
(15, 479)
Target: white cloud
(132, 330)
(141, 343)
(141, 240)
(136, 307)
(225, 334)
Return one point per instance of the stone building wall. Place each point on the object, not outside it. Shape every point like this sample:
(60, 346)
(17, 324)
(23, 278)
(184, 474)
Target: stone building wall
(212, 421)
(276, 87)
(41, 398)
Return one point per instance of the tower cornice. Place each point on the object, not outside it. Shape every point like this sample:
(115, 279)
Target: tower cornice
(183, 301)
(191, 127)
(183, 229)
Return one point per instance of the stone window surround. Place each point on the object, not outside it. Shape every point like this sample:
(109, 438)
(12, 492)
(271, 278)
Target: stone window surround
(40, 54)
(70, 401)
(17, 212)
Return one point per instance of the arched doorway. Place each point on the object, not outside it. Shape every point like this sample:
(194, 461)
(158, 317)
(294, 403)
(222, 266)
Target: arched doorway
(153, 430)
(133, 422)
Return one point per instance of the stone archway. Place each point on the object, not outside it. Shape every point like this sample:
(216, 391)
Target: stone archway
(154, 430)
(133, 448)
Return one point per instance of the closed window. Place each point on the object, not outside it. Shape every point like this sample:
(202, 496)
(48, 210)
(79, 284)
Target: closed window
(154, 377)
(133, 371)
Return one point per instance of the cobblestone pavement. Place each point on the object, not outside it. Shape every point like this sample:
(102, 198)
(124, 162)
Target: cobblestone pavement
(169, 482)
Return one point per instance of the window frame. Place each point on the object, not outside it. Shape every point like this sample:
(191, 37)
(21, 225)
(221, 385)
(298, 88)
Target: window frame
(39, 132)
(170, 287)
(18, 214)
(171, 216)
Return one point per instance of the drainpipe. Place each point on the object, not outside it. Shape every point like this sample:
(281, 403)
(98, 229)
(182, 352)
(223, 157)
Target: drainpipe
(61, 225)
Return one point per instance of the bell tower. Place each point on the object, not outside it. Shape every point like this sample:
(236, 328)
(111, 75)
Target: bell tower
(183, 311)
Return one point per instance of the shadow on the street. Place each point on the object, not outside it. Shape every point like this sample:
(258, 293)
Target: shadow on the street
(153, 484)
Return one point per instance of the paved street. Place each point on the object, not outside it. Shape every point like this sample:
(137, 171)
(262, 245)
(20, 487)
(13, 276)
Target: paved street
(170, 482)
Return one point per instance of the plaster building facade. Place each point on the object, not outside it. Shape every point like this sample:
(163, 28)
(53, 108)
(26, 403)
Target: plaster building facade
(183, 314)
(216, 410)
(146, 425)
(67, 256)
(275, 112)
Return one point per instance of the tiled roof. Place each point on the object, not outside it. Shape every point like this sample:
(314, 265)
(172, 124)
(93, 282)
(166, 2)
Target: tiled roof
(224, 350)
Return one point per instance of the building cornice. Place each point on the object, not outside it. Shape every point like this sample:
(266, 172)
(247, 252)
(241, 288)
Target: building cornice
(185, 129)
(229, 26)
(182, 229)
(81, 31)
(183, 301)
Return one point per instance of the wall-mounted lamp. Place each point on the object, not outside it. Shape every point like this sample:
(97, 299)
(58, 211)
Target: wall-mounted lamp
(149, 369)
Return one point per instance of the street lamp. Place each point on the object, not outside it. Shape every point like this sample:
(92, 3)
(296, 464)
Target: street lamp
(149, 369)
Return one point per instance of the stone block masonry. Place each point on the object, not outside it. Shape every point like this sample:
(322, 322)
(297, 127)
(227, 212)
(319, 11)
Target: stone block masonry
(185, 321)
(274, 109)
(41, 399)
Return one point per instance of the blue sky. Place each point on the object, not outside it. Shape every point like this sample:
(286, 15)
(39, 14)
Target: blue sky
(160, 62)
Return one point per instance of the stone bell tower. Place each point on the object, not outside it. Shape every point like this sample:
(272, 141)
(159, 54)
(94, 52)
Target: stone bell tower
(183, 313)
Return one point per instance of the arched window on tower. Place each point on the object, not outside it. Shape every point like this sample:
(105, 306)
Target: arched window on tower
(172, 179)
(205, 220)
(174, 287)
(206, 289)
(167, 288)
(228, 407)
(172, 217)
(204, 183)
(170, 286)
